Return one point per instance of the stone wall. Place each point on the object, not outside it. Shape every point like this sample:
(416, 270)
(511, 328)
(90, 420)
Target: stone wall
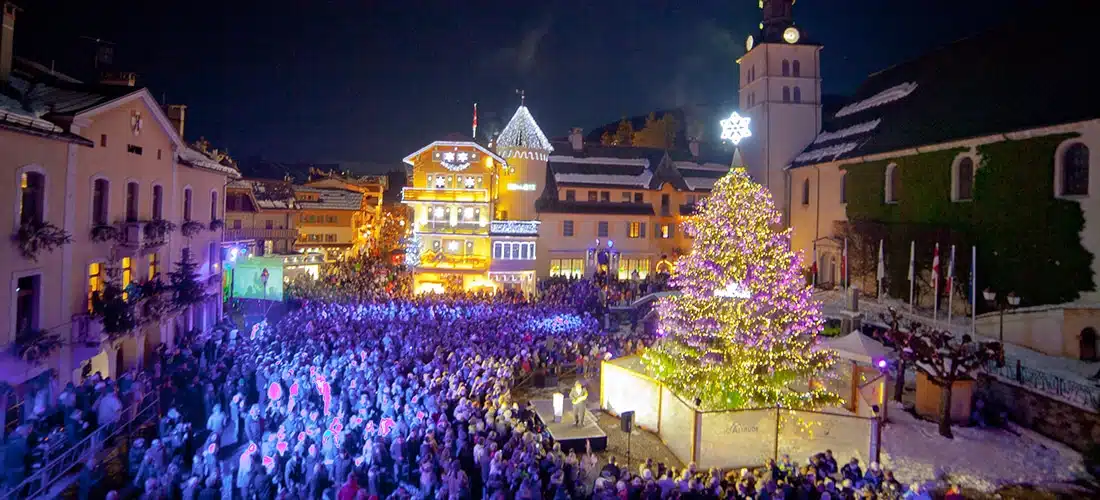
(1069, 424)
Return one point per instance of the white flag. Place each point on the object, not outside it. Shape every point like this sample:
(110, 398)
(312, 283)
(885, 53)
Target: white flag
(912, 258)
(881, 275)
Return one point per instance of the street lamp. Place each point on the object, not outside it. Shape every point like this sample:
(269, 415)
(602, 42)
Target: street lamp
(1011, 301)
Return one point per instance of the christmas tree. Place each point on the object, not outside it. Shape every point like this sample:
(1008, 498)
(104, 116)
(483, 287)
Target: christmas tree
(743, 332)
(184, 282)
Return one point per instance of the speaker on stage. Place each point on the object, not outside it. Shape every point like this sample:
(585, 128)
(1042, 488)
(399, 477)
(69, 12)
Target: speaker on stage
(626, 421)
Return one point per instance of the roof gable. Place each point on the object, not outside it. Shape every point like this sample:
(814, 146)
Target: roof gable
(410, 159)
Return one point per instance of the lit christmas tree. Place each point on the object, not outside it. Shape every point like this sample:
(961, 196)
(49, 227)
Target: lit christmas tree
(743, 333)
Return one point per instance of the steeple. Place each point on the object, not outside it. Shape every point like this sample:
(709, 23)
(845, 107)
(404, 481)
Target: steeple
(778, 16)
(523, 133)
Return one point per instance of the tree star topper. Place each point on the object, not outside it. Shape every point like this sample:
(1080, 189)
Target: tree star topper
(735, 128)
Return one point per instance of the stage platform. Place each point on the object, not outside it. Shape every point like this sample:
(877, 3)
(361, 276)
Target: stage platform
(570, 436)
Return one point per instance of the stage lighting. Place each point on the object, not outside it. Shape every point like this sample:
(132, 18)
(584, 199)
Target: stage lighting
(559, 406)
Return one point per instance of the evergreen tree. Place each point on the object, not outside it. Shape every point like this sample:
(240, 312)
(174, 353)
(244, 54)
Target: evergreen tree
(112, 306)
(743, 332)
(184, 281)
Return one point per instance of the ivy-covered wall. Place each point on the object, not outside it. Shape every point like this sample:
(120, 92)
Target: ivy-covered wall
(1028, 241)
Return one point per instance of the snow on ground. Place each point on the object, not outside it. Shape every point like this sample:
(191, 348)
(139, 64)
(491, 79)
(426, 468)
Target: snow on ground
(872, 309)
(983, 459)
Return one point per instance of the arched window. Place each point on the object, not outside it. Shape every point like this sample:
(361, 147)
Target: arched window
(101, 195)
(893, 183)
(158, 202)
(786, 94)
(964, 179)
(805, 191)
(131, 201)
(797, 94)
(32, 197)
(213, 206)
(187, 204)
(844, 187)
(1075, 170)
(786, 68)
(796, 68)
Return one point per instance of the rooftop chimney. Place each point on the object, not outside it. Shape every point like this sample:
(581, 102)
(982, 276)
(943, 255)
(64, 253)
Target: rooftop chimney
(576, 139)
(7, 35)
(176, 114)
(693, 146)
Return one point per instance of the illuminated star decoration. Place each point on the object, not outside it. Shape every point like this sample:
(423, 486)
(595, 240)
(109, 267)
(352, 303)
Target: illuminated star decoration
(735, 128)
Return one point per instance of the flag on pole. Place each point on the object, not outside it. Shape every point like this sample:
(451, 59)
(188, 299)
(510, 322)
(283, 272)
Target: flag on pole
(880, 273)
(475, 121)
(813, 267)
(950, 284)
(973, 288)
(844, 264)
(935, 282)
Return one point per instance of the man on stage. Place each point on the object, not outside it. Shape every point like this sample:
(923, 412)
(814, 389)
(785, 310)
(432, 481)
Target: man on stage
(579, 396)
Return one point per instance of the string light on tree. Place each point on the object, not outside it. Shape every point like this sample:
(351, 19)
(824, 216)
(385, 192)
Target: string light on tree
(743, 332)
(735, 128)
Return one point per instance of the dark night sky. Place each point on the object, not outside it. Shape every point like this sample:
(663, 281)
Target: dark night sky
(370, 80)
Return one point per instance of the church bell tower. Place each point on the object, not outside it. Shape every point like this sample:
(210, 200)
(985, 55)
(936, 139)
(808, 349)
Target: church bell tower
(780, 89)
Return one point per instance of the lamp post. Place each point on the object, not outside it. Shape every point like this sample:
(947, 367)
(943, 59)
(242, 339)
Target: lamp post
(1011, 301)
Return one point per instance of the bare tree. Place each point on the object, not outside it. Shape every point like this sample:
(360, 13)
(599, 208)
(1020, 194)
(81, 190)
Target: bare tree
(943, 357)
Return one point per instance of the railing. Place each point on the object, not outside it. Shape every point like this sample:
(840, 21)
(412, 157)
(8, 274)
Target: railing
(429, 194)
(521, 227)
(255, 233)
(40, 482)
(139, 234)
(1074, 392)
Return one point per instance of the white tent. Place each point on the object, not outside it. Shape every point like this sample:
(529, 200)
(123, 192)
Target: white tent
(859, 348)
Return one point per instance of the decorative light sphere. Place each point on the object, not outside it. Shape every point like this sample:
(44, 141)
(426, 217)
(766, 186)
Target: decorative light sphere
(735, 128)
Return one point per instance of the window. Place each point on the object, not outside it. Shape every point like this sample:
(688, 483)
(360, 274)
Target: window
(187, 204)
(570, 195)
(893, 184)
(32, 199)
(154, 266)
(131, 201)
(95, 281)
(805, 192)
(592, 196)
(844, 187)
(786, 94)
(27, 292)
(601, 229)
(101, 192)
(330, 219)
(213, 205)
(127, 275)
(786, 68)
(605, 196)
(639, 198)
(665, 204)
(158, 202)
(269, 224)
(626, 197)
(330, 238)
(796, 68)
(567, 228)
(570, 268)
(635, 230)
(964, 180)
(797, 94)
(665, 231)
(689, 199)
(158, 154)
(627, 267)
(102, 140)
(508, 250)
(1075, 170)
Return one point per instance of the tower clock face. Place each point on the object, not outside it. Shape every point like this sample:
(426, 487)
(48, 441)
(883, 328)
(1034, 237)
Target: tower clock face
(748, 43)
(791, 35)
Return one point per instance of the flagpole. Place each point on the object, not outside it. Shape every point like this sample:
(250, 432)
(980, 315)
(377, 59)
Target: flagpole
(880, 271)
(973, 288)
(912, 255)
(814, 267)
(845, 263)
(950, 285)
(475, 122)
(936, 284)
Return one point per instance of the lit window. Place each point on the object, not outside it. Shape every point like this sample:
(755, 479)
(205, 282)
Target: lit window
(468, 213)
(127, 275)
(154, 266)
(33, 187)
(95, 281)
(634, 230)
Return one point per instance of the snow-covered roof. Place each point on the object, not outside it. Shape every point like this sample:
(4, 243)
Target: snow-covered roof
(522, 132)
(858, 347)
(409, 159)
(268, 194)
(640, 180)
(331, 199)
(195, 158)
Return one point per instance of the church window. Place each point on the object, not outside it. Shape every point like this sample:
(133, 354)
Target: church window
(964, 180)
(1075, 170)
(796, 68)
(805, 192)
(786, 94)
(893, 183)
(844, 187)
(797, 94)
(786, 68)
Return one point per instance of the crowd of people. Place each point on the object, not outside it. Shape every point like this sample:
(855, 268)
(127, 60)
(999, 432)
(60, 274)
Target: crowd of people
(364, 391)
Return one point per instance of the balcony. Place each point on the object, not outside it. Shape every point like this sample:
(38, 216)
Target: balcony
(440, 260)
(428, 194)
(255, 233)
(144, 234)
(474, 228)
(515, 227)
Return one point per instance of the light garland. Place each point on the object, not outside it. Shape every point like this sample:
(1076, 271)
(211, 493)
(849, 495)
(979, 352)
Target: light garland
(522, 132)
(752, 351)
(514, 227)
